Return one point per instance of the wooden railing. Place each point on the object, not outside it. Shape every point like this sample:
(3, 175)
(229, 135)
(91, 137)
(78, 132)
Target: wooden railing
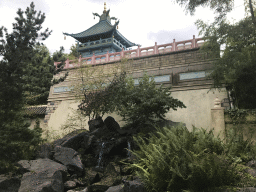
(134, 53)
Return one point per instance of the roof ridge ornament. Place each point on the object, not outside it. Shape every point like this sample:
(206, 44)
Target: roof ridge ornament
(104, 7)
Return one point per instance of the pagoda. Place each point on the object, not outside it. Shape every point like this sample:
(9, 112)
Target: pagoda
(101, 38)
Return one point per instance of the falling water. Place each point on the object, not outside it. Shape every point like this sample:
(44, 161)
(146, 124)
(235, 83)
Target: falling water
(129, 149)
(100, 155)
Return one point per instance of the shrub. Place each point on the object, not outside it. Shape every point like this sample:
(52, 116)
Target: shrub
(145, 103)
(176, 159)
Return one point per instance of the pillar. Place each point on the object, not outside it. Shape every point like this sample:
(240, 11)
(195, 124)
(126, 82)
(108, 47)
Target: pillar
(217, 119)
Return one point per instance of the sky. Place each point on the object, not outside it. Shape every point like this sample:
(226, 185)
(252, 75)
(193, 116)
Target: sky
(142, 22)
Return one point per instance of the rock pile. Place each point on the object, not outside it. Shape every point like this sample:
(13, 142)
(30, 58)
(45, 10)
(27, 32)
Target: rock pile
(85, 161)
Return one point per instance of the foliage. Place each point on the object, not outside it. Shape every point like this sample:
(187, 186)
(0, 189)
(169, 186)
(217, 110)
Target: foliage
(20, 50)
(236, 68)
(145, 103)
(73, 52)
(176, 159)
(38, 76)
(97, 87)
(221, 7)
(59, 56)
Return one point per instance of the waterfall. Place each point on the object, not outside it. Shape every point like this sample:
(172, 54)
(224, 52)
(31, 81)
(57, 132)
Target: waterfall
(129, 149)
(100, 155)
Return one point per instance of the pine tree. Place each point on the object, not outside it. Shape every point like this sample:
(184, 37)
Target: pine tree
(19, 49)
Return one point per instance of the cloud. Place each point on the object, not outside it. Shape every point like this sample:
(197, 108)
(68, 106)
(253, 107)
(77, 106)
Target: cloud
(40, 5)
(165, 36)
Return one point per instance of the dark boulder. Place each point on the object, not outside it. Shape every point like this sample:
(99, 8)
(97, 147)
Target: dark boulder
(76, 141)
(95, 124)
(9, 184)
(111, 124)
(44, 151)
(69, 157)
(134, 186)
(251, 164)
(72, 140)
(44, 175)
(69, 184)
(118, 188)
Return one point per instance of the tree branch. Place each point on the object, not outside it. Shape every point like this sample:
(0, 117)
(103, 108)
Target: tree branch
(252, 12)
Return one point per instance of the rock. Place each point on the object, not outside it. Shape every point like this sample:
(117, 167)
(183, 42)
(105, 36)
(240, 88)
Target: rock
(101, 132)
(67, 137)
(69, 184)
(9, 184)
(75, 142)
(126, 132)
(118, 188)
(248, 189)
(134, 186)
(111, 124)
(45, 175)
(89, 160)
(69, 157)
(72, 140)
(94, 179)
(80, 183)
(251, 164)
(98, 188)
(45, 165)
(87, 141)
(42, 181)
(252, 172)
(95, 124)
(44, 151)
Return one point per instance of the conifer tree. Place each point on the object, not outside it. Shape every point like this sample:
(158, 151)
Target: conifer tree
(23, 57)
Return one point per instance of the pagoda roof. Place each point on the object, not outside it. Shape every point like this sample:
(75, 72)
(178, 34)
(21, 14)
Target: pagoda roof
(102, 29)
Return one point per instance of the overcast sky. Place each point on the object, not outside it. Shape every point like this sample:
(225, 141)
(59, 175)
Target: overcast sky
(142, 22)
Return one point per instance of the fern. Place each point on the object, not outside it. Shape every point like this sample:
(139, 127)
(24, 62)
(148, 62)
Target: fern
(175, 159)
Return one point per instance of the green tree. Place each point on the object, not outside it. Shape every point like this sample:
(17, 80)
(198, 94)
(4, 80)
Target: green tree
(144, 104)
(38, 76)
(73, 52)
(235, 67)
(96, 88)
(18, 49)
(59, 56)
(220, 7)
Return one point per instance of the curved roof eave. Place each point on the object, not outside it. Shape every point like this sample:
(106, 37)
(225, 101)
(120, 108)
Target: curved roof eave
(126, 40)
(99, 28)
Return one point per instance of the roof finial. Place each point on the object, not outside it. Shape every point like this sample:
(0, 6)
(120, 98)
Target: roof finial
(105, 7)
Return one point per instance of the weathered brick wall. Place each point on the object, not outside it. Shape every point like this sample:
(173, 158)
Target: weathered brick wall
(171, 64)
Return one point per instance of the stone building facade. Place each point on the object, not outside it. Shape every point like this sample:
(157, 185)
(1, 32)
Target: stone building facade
(179, 64)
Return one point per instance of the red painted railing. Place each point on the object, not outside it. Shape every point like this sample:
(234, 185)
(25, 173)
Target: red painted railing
(139, 52)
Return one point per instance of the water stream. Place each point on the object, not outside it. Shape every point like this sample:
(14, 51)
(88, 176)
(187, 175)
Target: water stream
(129, 148)
(100, 155)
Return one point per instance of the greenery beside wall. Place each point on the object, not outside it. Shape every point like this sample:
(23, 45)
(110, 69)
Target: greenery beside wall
(25, 79)
(176, 159)
(234, 44)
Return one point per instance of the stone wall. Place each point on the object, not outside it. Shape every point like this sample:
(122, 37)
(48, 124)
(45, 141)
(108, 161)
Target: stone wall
(246, 124)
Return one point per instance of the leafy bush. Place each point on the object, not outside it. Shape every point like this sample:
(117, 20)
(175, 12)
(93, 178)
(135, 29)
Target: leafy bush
(97, 87)
(176, 159)
(145, 103)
